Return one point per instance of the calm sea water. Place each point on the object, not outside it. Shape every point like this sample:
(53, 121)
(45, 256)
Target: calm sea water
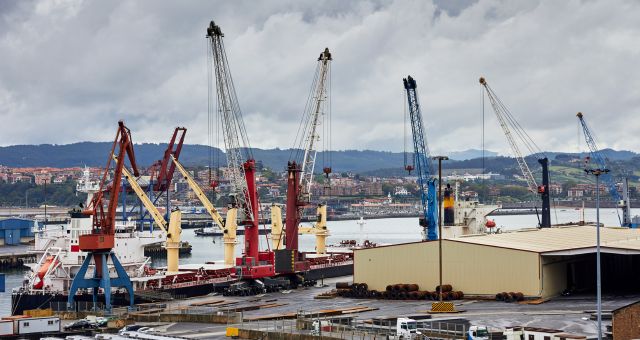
(387, 231)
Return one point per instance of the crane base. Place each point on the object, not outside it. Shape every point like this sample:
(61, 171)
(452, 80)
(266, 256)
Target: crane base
(101, 278)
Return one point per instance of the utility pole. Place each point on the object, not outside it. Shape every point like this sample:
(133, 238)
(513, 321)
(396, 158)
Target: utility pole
(597, 173)
(440, 159)
(45, 203)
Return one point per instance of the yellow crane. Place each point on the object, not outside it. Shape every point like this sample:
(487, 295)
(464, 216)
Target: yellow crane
(228, 227)
(319, 229)
(172, 229)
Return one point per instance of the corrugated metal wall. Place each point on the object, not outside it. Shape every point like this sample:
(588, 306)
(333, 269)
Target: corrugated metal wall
(15, 230)
(473, 269)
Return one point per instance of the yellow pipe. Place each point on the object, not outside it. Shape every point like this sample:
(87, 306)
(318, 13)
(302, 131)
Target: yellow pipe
(231, 226)
(173, 241)
(276, 227)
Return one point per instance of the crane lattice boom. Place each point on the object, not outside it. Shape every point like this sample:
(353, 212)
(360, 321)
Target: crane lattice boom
(316, 108)
(607, 179)
(505, 119)
(423, 164)
(597, 156)
(235, 136)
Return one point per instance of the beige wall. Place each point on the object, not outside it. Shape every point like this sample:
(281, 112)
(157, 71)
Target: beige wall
(554, 275)
(473, 269)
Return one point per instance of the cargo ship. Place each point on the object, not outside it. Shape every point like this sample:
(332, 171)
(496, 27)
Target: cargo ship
(47, 283)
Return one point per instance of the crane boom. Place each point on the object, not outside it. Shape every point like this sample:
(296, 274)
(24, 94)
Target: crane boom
(200, 194)
(228, 228)
(507, 122)
(164, 167)
(233, 129)
(503, 116)
(607, 179)
(153, 210)
(312, 116)
(423, 164)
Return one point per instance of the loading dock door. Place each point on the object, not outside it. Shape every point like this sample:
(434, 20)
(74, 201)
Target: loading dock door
(619, 273)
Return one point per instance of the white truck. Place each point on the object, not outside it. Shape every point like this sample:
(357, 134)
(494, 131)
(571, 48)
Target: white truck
(406, 329)
(478, 333)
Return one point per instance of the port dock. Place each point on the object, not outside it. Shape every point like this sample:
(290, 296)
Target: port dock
(15, 256)
(294, 312)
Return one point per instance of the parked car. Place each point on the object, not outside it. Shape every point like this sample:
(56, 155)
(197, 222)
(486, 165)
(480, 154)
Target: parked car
(80, 324)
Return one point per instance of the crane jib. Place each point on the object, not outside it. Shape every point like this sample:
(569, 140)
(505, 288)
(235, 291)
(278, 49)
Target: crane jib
(423, 166)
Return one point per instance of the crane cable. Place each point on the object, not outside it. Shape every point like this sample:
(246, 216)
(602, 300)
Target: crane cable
(298, 145)
(524, 137)
(596, 142)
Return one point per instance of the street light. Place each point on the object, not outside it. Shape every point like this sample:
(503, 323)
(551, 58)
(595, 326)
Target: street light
(440, 159)
(597, 173)
(45, 203)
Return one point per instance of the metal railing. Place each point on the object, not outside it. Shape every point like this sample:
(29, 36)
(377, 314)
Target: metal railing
(345, 327)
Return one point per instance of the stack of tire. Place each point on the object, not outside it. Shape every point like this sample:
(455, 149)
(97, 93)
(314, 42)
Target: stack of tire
(509, 297)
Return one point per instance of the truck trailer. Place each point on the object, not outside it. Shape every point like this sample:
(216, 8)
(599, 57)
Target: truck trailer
(45, 324)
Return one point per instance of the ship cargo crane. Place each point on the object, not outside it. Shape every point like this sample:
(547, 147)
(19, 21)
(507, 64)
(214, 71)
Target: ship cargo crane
(229, 227)
(508, 123)
(240, 163)
(100, 242)
(161, 172)
(422, 164)
(623, 201)
(172, 229)
(300, 170)
(163, 169)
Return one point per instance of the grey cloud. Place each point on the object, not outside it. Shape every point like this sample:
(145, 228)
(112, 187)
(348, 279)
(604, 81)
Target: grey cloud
(72, 68)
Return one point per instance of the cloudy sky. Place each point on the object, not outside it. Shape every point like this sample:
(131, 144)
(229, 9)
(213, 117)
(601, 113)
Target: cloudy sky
(69, 69)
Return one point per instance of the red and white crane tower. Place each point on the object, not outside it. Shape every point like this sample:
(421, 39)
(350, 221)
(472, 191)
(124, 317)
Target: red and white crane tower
(240, 162)
(300, 175)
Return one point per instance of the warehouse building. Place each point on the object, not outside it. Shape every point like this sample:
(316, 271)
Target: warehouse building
(535, 262)
(15, 231)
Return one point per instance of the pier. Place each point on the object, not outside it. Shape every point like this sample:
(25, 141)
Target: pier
(15, 256)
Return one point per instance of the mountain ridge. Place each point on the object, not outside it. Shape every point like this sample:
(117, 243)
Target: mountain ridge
(95, 153)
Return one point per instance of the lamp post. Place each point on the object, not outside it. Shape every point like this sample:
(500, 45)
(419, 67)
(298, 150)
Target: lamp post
(440, 159)
(45, 203)
(597, 173)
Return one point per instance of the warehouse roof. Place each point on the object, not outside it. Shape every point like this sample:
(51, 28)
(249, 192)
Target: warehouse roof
(570, 240)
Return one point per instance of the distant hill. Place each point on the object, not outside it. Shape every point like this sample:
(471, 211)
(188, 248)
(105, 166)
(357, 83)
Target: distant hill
(470, 154)
(360, 161)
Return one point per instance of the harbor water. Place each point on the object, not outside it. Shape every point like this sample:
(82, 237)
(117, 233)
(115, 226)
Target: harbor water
(380, 231)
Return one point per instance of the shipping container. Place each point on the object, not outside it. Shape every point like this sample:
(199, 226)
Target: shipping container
(36, 325)
(6, 327)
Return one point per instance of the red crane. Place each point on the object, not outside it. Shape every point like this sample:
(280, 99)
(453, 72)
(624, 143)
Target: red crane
(101, 240)
(241, 166)
(164, 168)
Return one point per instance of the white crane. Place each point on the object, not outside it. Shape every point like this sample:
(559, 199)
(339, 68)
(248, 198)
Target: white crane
(316, 109)
(236, 141)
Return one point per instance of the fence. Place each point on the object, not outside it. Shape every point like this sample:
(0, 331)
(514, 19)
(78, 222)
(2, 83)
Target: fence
(309, 326)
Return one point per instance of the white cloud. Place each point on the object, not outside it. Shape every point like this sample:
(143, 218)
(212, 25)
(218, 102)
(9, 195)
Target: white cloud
(71, 69)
